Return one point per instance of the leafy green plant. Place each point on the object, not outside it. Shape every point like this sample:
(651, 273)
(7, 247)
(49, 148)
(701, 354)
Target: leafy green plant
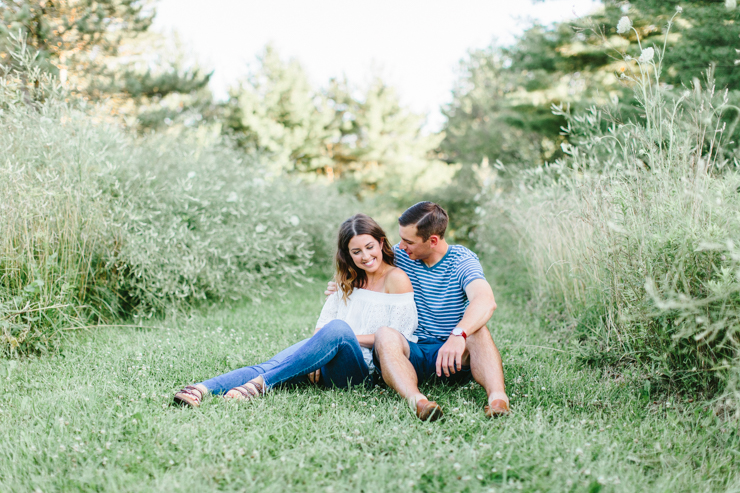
(98, 224)
(625, 240)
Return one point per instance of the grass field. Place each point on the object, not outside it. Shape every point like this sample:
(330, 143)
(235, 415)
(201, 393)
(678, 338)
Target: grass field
(98, 417)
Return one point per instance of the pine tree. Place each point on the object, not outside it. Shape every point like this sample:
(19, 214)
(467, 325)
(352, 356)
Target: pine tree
(276, 112)
(365, 140)
(501, 107)
(80, 41)
(382, 144)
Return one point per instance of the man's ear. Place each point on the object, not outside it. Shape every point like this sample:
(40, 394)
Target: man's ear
(433, 240)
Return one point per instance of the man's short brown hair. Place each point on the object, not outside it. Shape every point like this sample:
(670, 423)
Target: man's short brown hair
(429, 218)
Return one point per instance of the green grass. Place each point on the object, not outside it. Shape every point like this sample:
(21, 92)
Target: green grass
(98, 417)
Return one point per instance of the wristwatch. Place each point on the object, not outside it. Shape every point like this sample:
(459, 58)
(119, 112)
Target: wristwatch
(457, 331)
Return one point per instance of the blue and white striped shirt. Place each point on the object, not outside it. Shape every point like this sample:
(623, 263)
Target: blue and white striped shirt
(439, 291)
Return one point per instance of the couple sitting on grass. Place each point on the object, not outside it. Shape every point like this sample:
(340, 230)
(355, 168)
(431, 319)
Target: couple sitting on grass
(404, 314)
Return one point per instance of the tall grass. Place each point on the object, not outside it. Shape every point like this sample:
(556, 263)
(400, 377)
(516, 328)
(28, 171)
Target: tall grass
(97, 224)
(631, 239)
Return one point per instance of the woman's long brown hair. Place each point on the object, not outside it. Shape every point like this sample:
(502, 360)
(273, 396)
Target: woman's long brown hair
(348, 275)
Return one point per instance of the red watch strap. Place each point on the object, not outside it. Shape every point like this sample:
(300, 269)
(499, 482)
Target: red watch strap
(465, 336)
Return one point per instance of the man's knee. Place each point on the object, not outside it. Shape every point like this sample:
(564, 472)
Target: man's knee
(483, 334)
(387, 340)
(480, 338)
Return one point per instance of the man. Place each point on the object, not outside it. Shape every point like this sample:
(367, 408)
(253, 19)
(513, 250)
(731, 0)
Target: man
(454, 302)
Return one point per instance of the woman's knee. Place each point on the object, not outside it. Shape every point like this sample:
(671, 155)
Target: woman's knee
(337, 329)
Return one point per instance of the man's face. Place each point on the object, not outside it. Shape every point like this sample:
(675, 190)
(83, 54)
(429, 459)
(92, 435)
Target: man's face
(414, 246)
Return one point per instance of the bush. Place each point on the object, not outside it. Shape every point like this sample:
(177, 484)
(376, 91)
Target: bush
(97, 224)
(203, 224)
(631, 239)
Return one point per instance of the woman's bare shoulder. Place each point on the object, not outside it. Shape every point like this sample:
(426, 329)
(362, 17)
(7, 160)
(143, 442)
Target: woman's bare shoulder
(397, 282)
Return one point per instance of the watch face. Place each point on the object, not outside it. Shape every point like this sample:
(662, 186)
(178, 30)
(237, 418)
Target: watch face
(457, 331)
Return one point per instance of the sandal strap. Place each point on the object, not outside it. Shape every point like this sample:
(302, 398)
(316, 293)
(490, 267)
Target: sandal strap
(249, 392)
(192, 391)
(243, 391)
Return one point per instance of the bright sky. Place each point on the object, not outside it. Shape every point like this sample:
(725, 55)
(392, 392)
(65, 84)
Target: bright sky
(414, 45)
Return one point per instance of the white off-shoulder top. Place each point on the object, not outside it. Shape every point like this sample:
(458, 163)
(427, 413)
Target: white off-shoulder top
(366, 311)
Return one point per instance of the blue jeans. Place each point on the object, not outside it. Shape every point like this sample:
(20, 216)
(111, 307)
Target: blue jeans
(334, 350)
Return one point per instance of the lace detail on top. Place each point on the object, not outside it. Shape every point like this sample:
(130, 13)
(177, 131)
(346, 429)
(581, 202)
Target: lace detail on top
(366, 311)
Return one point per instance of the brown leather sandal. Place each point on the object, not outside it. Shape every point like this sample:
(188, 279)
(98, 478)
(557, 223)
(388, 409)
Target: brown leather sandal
(189, 396)
(247, 391)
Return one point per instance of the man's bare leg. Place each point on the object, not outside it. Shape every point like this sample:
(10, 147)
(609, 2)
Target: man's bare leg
(398, 372)
(486, 365)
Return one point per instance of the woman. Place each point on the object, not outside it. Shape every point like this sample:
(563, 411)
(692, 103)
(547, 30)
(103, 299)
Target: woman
(372, 293)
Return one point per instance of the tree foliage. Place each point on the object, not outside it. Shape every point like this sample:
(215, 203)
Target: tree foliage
(363, 138)
(501, 103)
(102, 51)
(276, 111)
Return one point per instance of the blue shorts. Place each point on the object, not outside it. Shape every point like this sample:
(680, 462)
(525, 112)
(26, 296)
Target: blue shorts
(423, 356)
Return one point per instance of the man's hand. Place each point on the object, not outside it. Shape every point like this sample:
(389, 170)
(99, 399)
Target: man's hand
(331, 288)
(449, 357)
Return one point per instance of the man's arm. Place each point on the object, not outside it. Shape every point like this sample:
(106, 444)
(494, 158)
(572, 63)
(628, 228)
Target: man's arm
(481, 307)
(477, 314)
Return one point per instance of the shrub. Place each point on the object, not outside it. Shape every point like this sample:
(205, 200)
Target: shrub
(631, 239)
(98, 224)
(203, 224)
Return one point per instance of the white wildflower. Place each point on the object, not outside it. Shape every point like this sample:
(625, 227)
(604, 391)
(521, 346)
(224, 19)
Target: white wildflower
(191, 175)
(647, 55)
(233, 197)
(295, 221)
(679, 9)
(730, 4)
(625, 24)
(627, 58)
(261, 228)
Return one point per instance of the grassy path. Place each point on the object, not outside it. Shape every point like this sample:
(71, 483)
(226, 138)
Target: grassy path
(98, 418)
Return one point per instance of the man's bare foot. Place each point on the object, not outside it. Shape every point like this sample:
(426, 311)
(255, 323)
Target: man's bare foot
(428, 410)
(498, 405)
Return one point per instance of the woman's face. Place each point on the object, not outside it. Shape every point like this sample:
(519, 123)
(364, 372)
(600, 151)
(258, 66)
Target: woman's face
(366, 252)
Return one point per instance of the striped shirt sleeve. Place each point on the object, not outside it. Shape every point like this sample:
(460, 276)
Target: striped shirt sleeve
(468, 270)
